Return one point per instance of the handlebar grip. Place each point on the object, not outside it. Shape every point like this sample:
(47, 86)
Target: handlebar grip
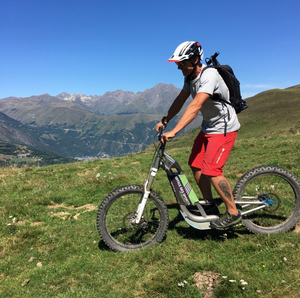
(160, 132)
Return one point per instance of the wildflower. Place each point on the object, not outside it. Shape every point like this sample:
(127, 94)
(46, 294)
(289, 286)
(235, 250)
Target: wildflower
(13, 220)
(182, 284)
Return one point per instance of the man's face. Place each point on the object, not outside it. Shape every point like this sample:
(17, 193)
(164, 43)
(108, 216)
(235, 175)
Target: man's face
(186, 67)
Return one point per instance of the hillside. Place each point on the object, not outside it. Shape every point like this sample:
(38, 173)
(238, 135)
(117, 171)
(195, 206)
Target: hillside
(19, 155)
(273, 112)
(14, 131)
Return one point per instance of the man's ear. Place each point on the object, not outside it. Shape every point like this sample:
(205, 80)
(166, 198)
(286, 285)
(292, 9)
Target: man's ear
(196, 60)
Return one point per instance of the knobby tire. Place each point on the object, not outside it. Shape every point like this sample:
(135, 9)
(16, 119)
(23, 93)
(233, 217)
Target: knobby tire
(280, 189)
(115, 222)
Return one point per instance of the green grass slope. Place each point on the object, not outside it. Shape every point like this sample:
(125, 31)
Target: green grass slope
(50, 246)
(273, 112)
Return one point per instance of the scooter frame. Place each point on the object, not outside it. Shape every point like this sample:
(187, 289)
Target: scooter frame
(186, 196)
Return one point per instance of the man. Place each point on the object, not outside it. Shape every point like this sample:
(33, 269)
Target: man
(219, 128)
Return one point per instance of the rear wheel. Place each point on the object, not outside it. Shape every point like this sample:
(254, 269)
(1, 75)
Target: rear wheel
(277, 192)
(116, 219)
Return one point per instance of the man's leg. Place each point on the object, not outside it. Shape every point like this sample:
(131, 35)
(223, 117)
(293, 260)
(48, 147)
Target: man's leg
(216, 155)
(204, 184)
(232, 216)
(223, 188)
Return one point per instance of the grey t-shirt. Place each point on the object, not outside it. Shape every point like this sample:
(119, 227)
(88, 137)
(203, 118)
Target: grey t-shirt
(218, 117)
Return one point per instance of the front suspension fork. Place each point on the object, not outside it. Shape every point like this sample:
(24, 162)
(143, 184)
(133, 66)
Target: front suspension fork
(147, 189)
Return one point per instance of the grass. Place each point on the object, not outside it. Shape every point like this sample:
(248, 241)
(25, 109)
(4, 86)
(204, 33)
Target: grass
(50, 246)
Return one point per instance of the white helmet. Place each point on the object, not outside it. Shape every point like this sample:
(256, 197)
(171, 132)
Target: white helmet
(187, 50)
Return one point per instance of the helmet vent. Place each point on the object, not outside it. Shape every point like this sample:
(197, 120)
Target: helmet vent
(183, 49)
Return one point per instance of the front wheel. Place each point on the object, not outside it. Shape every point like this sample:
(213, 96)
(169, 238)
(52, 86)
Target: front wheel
(269, 198)
(116, 219)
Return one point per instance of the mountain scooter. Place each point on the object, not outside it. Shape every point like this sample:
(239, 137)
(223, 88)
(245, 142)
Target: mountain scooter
(135, 216)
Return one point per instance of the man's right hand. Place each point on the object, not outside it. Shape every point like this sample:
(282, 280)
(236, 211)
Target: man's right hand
(158, 125)
(163, 122)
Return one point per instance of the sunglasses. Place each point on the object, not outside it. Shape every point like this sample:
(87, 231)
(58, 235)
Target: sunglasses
(180, 63)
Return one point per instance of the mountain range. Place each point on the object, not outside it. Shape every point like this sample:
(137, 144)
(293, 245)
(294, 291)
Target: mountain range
(81, 126)
(109, 125)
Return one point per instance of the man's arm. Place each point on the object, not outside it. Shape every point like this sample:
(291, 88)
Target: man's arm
(189, 115)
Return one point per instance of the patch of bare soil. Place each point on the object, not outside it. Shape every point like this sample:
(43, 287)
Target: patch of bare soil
(36, 223)
(206, 280)
(89, 207)
(297, 228)
(6, 175)
(67, 215)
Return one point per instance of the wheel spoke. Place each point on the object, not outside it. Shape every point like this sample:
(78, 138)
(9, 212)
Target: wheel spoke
(116, 219)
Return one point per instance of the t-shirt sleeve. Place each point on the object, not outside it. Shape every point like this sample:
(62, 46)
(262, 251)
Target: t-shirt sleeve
(209, 82)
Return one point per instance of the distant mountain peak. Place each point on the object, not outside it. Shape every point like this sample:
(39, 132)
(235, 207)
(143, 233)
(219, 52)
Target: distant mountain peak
(44, 96)
(62, 95)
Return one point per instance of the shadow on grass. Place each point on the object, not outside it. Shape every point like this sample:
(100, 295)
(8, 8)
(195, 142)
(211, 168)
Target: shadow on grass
(192, 233)
(103, 246)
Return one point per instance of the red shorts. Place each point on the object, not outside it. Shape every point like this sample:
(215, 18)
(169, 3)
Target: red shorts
(211, 151)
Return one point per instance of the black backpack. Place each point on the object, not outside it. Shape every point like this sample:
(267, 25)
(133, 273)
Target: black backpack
(231, 82)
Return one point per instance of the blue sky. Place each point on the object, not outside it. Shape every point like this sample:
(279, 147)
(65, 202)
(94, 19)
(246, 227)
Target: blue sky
(91, 47)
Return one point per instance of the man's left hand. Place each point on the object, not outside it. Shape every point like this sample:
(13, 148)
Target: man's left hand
(167, 136)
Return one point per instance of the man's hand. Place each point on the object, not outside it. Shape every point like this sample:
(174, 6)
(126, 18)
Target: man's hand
(166, 137)
(158, 125)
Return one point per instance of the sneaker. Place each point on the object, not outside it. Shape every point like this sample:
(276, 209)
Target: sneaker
(226, 220)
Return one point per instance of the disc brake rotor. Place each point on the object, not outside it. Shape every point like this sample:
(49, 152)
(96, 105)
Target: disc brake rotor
(271, 200)
(131, 225)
